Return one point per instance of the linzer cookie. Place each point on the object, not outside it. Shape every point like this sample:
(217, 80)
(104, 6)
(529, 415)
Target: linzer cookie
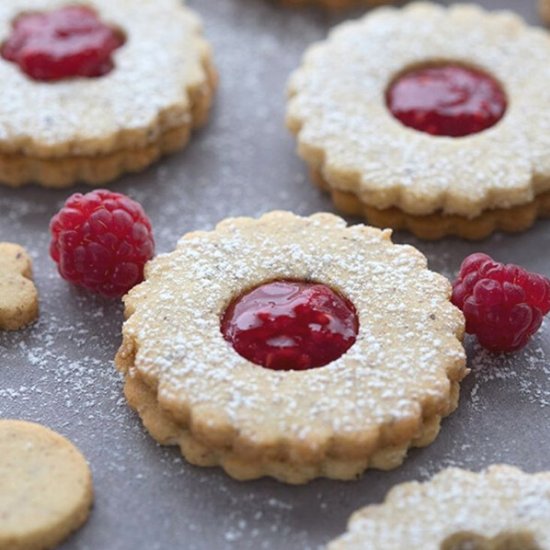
(292, 347)
(18, 295)
(448, 137)
(499, 508)
(46, 487)
(91, 92)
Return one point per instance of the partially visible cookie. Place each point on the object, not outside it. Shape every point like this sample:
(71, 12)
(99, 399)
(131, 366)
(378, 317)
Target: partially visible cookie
(158, 89)
(544, 8)
(45, 487)
(18, 295)
(448, 137)
(501, 508)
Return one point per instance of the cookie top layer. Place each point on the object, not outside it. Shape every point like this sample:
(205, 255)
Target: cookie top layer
(397, 372)
(46, 486)
(18, 295)
(338, 109)
(146, 94)
(457, 506)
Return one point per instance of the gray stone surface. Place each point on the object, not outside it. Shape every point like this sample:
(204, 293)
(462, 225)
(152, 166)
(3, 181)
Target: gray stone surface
(60, 372)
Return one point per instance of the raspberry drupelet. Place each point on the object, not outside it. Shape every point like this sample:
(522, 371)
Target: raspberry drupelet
(102, 241)
(503, 304)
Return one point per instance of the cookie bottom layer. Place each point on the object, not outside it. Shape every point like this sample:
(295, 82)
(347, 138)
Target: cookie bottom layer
(19, 169)
(436, 226)
(163, 428)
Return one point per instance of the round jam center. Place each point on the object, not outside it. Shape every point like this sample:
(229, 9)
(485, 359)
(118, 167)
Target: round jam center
(67, 42)
(291, 325)
(450, 100)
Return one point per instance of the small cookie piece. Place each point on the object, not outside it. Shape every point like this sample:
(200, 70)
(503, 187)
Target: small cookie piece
(388, 392)
(448, 137)
(501, 508)
(93, 130)
(544, 9)
(45, 487)
(18, 295)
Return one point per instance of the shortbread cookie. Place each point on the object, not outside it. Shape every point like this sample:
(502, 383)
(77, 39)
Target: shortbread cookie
(446, 137)
(269, 288)
(139, 104)
(46, 487)
(501, 508)
(18, 295)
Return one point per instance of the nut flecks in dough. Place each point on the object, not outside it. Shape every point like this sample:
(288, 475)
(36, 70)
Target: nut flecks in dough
(501, 507)
(46, 487)
(346, 134)
(386, 394)
(18, 295)
(93, 130)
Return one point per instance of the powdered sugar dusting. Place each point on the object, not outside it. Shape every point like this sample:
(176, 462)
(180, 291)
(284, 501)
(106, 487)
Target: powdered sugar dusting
(243, 163)
(426, 515)
(524, 369)
(406, 349)
(337, 107)
(145, 94)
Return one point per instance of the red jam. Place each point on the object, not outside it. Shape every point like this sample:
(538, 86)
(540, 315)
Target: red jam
(291, 325)
(67, 42)
(449, 100)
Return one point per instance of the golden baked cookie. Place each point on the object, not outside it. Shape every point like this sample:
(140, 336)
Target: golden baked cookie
(18, 295)
(444, 138)
(140, 103)
(45, 487)
(292, 347)
(544, 9)
(501, 508)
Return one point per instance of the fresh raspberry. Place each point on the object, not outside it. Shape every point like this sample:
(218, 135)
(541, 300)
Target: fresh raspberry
(449, 100)
(503, 304)
(66, 42)
(291, 325)
(101, 241)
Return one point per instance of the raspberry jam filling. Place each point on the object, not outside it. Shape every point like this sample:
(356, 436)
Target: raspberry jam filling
(449, 100)
(67, 42)
(291, 325)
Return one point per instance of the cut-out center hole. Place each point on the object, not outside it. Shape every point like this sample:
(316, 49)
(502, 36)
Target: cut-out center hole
(67, 42)
(291, 325)
(446, 99)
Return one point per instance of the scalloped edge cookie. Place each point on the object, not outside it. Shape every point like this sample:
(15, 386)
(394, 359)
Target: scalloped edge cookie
(47, 489)
(499, 508)
(434, 186)
(18, 294)
(119, 135)
(193, 390)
